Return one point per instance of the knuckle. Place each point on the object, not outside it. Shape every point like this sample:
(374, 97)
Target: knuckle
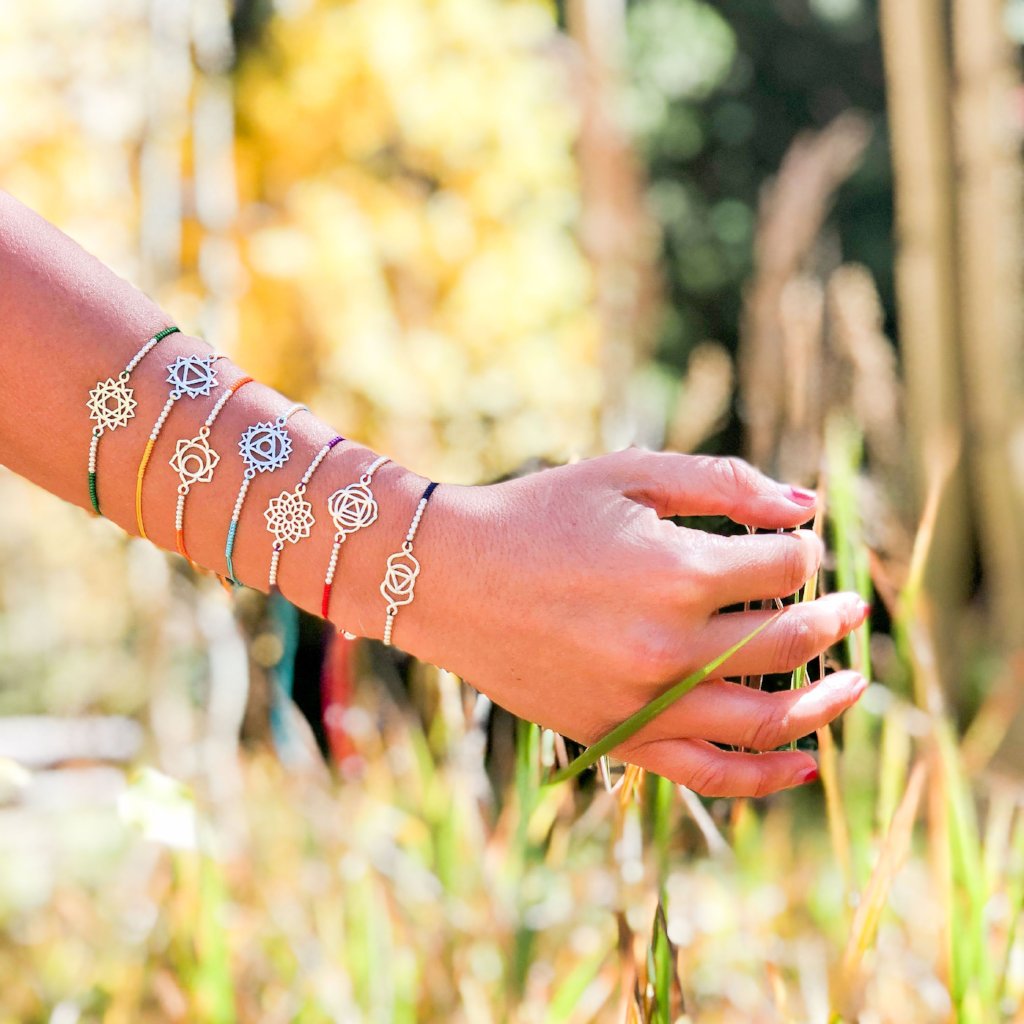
(672, 560)
(700, 569)
(625, 456)
(732, 475)
(656, 656)
(634, 462)
(619, 468)
(768, 732)
(763, 785)
(709, 778)
(797, 564)
(797, 643)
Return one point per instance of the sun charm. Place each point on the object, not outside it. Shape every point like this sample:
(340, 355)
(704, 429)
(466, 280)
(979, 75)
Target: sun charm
(289, 517)
(111, 404)
(192, 376)
(265, 447)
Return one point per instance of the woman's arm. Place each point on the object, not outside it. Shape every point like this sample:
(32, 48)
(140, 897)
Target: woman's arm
(70, 322)
(565, 596)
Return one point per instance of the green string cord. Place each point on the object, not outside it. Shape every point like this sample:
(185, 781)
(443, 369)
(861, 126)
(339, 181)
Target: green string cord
(93, 495)
(160, 335)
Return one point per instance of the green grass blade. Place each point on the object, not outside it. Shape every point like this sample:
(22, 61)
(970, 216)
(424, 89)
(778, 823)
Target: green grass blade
(213, 985)
(632, 725)
(574, 986)
(664, 969)
(844, 453)
(1014, 903)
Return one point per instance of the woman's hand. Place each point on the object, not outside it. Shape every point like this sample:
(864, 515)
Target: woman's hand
(567, 598)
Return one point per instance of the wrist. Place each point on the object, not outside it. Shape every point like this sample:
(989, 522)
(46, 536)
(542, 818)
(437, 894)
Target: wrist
(347, 592)
(454, 547)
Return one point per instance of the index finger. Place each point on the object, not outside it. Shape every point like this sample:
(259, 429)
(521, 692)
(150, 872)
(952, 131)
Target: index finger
(701, 485)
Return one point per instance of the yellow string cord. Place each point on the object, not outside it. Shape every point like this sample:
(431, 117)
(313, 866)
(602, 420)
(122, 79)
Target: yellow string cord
(138, 485)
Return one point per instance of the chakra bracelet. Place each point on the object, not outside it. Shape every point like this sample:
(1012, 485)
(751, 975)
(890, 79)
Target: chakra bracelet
(187, 375)
(265, 446)
(112, 404)
(194, 461)
(352, 508)
(289, 516)
(399, 584)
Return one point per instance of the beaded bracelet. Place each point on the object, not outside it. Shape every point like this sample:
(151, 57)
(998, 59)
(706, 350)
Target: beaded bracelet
(265, 446)
(352, 509)
(194, 461)
(289, 516)
(112, 404)
(399, 584)
(187, 375)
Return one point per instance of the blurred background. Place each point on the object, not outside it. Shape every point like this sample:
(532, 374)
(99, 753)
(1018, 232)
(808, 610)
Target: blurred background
(481, 235)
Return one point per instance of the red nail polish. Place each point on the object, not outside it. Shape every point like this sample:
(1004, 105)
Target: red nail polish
(808, 499)
(810, 775)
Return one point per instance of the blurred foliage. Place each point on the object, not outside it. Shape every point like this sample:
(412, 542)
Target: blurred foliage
(72, 109)
(408, 199)
(718, 93)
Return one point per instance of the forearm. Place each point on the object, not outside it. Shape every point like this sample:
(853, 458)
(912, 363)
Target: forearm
(68, 322)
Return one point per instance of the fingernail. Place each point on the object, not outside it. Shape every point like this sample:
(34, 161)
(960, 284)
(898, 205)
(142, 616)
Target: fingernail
(807, 499)
(858, 685)
(808, 775)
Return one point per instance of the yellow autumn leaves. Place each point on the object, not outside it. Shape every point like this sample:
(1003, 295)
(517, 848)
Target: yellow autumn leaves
(409, 196)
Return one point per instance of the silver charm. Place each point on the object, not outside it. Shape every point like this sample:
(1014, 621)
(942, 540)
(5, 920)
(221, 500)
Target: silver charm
(399, 583)
(353, 507)
(194, 460)
(111, 403)
(192, 376)
(265, 446)
(289, 517)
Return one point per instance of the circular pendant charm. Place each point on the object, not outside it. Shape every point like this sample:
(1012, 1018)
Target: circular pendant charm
(265, 446)
(352, 508)
(400, 578)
